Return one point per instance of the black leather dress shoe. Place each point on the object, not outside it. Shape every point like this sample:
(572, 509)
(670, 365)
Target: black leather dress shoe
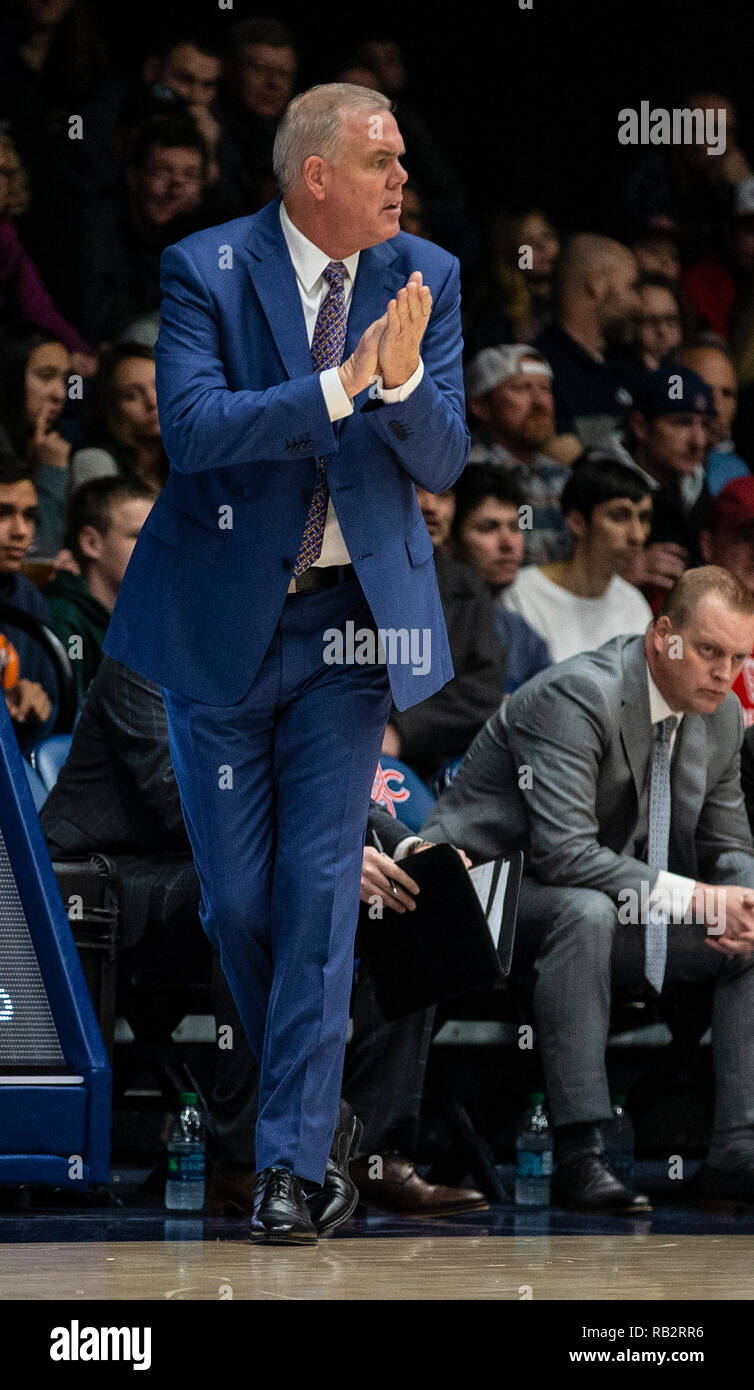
(281, 1216)
(584, 1182)
(338, 1197)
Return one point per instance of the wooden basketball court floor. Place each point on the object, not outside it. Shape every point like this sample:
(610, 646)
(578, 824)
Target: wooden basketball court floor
(406, 1268)
(132, 1248)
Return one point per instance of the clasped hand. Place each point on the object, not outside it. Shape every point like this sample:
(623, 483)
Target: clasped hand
(389, 347)
(728, 913)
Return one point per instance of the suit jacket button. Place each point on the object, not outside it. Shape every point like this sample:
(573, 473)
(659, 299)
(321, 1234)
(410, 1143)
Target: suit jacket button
(287, 564)
(400, 430)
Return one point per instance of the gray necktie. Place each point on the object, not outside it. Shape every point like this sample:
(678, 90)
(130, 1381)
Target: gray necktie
(656, 931)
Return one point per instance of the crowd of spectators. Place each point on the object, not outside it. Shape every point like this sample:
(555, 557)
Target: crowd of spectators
(608, 458)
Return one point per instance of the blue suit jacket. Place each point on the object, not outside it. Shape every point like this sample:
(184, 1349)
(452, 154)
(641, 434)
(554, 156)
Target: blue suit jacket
(243, 418)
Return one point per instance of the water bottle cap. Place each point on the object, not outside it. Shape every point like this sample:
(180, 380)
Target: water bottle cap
(537, 1098)
(188, 1097)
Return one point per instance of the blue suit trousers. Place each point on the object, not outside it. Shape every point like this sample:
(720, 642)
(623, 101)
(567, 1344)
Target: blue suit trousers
(275, 796)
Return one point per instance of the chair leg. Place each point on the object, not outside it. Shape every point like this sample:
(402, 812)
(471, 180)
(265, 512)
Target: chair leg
(480, 1158)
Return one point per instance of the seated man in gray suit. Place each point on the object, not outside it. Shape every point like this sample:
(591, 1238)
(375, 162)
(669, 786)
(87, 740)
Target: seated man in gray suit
(618, 773)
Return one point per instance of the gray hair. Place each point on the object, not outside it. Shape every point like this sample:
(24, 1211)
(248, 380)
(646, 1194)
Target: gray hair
(312, 125)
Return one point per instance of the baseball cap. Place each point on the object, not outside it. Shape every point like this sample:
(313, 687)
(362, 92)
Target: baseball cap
(672, 391)
(733, 508)
(495, 364)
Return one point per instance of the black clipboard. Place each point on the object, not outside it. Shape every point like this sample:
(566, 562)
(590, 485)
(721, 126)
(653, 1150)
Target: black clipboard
(443, 948)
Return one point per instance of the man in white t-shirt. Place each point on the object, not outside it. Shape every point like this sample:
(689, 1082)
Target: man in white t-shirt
(579, 604)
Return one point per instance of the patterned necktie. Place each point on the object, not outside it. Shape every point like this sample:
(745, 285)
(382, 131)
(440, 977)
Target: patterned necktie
(328, 342)
(656, 930)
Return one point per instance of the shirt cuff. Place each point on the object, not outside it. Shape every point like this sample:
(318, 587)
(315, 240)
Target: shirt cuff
(672, 891)
(402, 848)
(394, 394)
(336, 397)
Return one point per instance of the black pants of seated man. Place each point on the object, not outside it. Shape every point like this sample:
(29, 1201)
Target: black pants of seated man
(383, 1081)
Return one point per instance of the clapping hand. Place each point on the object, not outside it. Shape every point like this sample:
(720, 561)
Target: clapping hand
(389, 347)
(407, 318)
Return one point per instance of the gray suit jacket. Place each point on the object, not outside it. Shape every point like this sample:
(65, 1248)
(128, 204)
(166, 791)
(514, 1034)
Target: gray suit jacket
(582, 728)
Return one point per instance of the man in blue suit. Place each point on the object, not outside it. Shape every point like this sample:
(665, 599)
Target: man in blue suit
(308, 377)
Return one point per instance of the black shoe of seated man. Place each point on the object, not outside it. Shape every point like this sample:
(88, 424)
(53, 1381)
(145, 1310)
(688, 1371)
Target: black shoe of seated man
(281, 1216)
(584, 1182)
(338, 1197)
(722, 1189)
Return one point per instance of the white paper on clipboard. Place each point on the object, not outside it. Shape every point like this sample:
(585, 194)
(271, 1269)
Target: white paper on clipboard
(492, 900)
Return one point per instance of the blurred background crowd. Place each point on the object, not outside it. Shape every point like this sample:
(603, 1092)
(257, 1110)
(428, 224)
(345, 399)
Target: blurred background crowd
(620, 338)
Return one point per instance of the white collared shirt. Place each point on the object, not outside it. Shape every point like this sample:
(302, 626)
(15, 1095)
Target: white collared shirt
(309, 262)
(659, 709)
(677, 885)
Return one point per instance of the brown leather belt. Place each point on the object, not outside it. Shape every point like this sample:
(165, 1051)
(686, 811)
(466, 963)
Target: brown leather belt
(320, 577)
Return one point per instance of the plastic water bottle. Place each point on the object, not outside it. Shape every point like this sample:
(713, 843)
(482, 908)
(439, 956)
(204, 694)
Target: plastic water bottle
(534, 1155)
(619, 1142)
(184, 1186)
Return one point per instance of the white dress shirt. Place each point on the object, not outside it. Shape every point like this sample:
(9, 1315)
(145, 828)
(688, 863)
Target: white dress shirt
(309, 262)
(678, 886)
